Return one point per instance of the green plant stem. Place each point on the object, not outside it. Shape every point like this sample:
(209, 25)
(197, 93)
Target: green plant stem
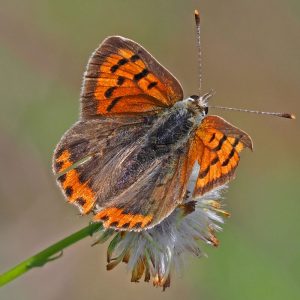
(47, 255)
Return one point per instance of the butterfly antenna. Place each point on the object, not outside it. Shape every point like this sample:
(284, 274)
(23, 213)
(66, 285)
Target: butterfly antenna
(197, 21)
(276, 114)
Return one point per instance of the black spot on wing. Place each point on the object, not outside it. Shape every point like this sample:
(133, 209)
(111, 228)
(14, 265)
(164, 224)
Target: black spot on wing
(113, 103)
(62, 178)
(140, 75)
(108, 93)
(121, 80)
(58, 166)
(59, 153)
(69, 191)
(221, 141)
(204, 172)
(120, 63)
(151, 85)
(80, 201)
(138, 225)
(126, 225)
(114, 224)
(227, 160)
(236, 141)
(212, 138)
(105, 218)
(214, 161)
(134, 58)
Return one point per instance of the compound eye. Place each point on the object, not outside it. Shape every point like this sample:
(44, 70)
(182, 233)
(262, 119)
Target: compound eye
(206, 110)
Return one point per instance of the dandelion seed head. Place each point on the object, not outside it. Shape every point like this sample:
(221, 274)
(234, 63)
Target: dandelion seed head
(159, 252)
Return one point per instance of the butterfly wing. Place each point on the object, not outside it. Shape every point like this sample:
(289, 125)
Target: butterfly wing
(218, 145)
(123, 78)
(150, 199)
(115, 176)
(86, 151)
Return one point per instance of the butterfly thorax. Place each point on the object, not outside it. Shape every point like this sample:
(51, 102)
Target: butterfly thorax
(172, 130)
(167, 137)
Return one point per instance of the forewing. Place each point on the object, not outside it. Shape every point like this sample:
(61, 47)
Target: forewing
(218, 144)
(123, 78)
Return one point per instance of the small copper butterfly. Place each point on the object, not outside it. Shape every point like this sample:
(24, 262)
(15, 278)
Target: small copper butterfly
(129, 158)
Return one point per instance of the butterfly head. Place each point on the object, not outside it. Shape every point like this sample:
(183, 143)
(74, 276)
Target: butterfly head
(200, 103)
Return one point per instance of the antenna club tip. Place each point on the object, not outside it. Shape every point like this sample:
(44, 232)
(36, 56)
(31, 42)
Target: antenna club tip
(289, 116)
(197, 15)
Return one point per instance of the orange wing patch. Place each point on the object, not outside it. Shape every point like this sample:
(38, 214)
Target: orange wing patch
(76, 192)
(219, 144)
(115, 217)
(132, 73)
(62, 162)
(123, 78)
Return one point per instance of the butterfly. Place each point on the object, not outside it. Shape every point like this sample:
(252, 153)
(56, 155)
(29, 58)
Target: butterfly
(129, 158)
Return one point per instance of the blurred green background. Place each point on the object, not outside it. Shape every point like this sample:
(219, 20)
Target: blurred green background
(251, 58)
